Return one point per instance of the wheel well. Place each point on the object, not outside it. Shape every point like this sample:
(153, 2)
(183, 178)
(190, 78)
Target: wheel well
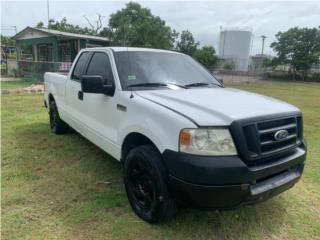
(133, 140)
(50, 98)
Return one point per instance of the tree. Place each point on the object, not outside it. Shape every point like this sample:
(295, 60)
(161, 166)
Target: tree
(229, 66)
(299, 47)
(97, 25)
(64, 26)
(40, 25)
(187, 44)
(7, 41)
(270, 62)
(206, 56)
(137, 26)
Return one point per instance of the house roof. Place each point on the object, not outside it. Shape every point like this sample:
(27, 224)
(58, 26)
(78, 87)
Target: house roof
(59, 33)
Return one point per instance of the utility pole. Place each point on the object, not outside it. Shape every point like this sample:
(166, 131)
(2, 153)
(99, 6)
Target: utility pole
(48, 12)
(263, 39)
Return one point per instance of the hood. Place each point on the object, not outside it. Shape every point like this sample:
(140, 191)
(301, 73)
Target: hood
(218, 106)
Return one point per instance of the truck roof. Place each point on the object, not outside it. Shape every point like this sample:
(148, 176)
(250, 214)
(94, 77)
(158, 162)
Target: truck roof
(128, 49)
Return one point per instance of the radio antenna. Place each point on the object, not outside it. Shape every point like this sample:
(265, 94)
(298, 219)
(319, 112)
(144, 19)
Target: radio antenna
(131, 94)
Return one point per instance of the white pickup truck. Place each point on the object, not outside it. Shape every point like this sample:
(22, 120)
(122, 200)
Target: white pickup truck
(182, 137)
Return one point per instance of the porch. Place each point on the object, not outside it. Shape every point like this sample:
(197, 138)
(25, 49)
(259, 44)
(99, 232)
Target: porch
(42, 50)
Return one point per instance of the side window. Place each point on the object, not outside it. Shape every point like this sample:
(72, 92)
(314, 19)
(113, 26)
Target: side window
(100, 65)
(78, 69)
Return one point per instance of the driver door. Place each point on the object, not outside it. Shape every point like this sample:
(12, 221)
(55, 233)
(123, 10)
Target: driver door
(99, 110)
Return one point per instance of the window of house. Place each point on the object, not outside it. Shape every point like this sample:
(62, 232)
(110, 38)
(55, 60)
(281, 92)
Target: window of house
(45, 52)
(64, 52)
(26, 53)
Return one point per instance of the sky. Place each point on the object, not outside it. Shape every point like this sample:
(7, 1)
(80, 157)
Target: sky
(202, 18)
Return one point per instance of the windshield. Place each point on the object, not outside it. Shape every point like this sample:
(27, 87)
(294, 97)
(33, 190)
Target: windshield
(149, 69)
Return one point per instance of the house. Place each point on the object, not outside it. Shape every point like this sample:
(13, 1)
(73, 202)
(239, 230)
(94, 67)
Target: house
(46, 45)
(41, 50)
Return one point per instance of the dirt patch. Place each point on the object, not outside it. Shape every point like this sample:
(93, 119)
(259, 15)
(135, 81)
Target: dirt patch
(117, 211)
(92, 229)
(80, 231)
(34, 88)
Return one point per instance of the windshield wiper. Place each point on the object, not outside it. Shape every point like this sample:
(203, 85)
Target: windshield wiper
(155, 85)
(200, 84)
(147, 85)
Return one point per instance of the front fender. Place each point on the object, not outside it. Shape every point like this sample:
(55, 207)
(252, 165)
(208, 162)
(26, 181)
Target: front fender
(144, 131)
(158, 123)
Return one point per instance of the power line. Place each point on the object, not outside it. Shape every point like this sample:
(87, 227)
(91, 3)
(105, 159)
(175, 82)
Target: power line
(48, 7)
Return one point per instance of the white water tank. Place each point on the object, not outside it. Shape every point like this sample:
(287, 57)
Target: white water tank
(234, 46)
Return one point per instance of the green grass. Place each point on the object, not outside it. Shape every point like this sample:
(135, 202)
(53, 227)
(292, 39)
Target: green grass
(63, 187)
(7, 85)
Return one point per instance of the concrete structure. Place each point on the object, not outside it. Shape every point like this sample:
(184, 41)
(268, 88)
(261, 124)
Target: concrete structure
(256, 62)
(234, 47)
(12, 67)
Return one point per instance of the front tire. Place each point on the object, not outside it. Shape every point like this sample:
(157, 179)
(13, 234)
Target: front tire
(146, 184)
(57, 125)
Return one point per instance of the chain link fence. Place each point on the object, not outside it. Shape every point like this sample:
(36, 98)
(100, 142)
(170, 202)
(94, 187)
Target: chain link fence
(35, 69)
(241, 70)
(255, 69)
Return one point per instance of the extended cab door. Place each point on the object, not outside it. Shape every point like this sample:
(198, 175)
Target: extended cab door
(97, 112)
(74, 94)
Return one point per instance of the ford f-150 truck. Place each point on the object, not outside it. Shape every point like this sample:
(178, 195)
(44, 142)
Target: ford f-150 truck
(182, 137)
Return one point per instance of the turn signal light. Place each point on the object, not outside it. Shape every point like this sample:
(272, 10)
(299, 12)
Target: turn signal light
(185, 138)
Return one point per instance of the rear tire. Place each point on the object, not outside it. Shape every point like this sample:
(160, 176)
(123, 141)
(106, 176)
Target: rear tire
(146, 183)
(57, 125)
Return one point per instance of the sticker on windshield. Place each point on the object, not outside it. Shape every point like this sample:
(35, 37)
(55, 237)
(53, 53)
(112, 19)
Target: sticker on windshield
(131, 77)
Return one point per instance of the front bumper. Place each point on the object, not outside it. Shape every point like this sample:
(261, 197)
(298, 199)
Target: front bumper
(227, 182)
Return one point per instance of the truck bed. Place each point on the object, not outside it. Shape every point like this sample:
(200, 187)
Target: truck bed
(55, 83)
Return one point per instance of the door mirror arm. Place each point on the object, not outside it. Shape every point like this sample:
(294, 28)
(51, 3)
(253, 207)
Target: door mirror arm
(109, 89)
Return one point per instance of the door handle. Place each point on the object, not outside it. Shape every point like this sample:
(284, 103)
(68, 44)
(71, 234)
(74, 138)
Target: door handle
(80, 95)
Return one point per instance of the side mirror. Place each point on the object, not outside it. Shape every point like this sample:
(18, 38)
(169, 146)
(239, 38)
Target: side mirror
(95, 84)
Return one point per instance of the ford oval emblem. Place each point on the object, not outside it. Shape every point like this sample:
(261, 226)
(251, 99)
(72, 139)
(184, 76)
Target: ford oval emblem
(281, 135)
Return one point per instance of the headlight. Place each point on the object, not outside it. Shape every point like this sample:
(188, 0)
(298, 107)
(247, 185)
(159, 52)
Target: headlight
(207, 141)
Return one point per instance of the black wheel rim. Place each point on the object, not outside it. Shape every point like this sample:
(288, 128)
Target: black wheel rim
(141, 185)
(53, 118)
